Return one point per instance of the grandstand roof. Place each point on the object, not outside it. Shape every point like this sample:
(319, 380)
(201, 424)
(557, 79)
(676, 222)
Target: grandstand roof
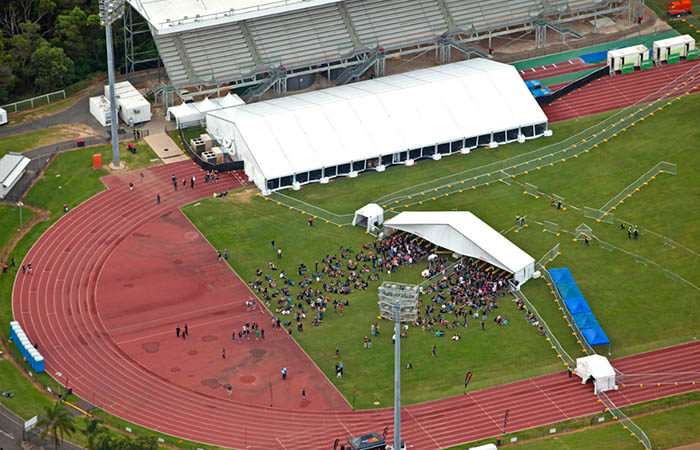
(464, 233)
(168, 16)
(365, 120)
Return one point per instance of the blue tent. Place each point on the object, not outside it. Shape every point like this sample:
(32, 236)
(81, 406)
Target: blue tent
(577, 305)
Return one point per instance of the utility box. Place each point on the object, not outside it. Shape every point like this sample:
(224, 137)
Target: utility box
(219, 155)
(198, 145)
(676, 46)
(208, 141)
(623, 58)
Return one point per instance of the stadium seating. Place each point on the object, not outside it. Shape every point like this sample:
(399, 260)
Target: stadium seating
(301, 36)
(321, 34)
(390, 23)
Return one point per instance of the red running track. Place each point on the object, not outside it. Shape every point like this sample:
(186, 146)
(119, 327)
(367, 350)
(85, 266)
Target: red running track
(65, 308)
(619, 91)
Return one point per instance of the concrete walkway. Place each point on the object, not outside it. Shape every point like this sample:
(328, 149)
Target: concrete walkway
(166, 149)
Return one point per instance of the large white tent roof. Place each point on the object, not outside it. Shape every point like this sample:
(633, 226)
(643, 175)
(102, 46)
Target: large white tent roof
(379, 117)
(464, 233)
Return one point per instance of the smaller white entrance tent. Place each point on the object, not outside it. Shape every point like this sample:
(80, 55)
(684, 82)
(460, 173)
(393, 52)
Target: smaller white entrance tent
(465, 234)
(598, 368)
(369, 216)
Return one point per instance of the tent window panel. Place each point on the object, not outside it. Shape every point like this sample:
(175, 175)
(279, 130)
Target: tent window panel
(286, 181)
(499, 136)
(539, 128)
(512, 134)
(273, 184)
(400, 157)
(484, 139)
(429, 151)
(456, 146)
(414, 154)
(343, 169)
(302, 177)
(470, 142)
(315, 175)
(444, 148)
(358, 165)
(528, 131)
(387, 160)
(371, 163)
(329, 171)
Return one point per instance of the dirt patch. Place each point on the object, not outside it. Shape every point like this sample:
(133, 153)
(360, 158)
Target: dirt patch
(244, 196)
(60, 133)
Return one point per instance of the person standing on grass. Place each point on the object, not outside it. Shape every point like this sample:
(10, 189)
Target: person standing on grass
(636, 232)
(434, 350)
(279, 253)
(273, 244)
(226, 254)
(483, 325)
(629, 232)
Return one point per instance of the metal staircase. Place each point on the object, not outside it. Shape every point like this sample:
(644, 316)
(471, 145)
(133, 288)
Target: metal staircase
(375, 56)
(541, 32)
(447, 43)
(447, 15)
(277, 78)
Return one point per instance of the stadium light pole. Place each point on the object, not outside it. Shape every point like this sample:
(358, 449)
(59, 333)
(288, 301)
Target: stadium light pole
(398, 302)
(110, 12)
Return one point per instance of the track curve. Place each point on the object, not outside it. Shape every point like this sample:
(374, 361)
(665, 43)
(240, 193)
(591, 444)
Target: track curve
(57, 307)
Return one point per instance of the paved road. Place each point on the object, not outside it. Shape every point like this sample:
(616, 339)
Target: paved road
(77, 113)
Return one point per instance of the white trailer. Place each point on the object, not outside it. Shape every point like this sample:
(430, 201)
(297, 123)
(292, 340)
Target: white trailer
(628, 55)
(3, 116)
(678, 45)
(132, 107)
(100, 110)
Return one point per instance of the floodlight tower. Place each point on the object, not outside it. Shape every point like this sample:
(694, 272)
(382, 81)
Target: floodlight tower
(110, 12)
(398, 302)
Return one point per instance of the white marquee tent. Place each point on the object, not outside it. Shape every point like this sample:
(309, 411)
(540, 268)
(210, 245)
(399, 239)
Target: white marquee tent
(376, 123)
(599, 368)
(189, 113)
(465, 234)
(369, 216)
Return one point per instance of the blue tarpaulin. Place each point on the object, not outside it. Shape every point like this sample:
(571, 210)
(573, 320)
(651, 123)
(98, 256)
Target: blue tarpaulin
(578, 307)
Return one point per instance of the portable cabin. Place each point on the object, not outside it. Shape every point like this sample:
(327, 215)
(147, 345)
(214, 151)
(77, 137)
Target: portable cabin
(627, 58)
(3, 116)
(132, 107)
(673, 48)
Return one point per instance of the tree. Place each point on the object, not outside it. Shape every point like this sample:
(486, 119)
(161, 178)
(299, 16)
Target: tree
(57, 422)
(7, 78)
(69, 33)
(52, 68)
(94, 433)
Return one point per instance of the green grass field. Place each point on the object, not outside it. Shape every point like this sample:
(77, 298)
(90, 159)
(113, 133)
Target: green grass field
(630, 300)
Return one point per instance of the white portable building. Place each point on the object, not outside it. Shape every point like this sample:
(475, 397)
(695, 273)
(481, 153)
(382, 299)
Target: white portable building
(677, 45)
(12, 167)
(372, 124)
(132, 107)
(369, 216)
(628, 55)
(3, 116)
(465, 234)
(100, 110)
(597, 368)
